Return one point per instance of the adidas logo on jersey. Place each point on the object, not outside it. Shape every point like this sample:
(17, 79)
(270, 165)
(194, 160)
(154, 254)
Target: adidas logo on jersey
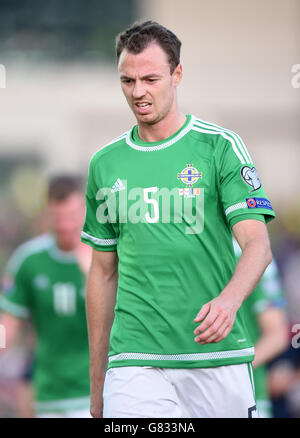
(118, 186)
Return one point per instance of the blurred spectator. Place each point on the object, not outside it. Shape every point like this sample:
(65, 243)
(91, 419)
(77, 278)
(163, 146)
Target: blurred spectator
(267, 327)
(15, 391)
(284, 371)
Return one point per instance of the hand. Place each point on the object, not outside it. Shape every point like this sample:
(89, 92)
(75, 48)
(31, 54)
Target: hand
(219, 316)
(96, 402)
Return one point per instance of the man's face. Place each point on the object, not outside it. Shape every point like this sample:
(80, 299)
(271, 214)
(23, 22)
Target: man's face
(67, 218)
(147, 83)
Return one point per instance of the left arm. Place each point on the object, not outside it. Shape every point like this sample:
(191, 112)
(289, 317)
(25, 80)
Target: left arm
(218, 315)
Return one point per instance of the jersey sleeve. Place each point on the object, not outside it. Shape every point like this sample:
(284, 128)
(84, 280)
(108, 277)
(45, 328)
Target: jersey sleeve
(241, 191)
(15, 288)
(100, 236)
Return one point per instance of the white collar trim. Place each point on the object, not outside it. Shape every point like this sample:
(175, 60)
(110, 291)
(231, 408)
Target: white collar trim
(162, 145)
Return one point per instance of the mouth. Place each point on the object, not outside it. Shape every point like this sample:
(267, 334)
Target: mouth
(143, 107)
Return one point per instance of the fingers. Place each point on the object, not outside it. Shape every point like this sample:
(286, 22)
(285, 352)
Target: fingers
(220, 333)
(209, 320)
(215, 327)
(203, 312)
(224, 334)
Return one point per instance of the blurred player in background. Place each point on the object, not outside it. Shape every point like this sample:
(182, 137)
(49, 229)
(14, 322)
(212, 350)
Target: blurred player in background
(45, 281)
(268, 328)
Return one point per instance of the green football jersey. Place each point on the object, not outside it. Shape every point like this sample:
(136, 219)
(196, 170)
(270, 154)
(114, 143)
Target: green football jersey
(267, 294)
(46, 285)
(167, 208)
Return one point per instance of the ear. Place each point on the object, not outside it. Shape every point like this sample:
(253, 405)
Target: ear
(177, 75)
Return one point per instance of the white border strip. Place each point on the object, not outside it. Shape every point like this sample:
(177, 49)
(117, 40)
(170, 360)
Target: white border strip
(182, 357)
(13, 308)
(64, 404)
(161, 145)
(62, 256)
(235, 207)
(97, 241)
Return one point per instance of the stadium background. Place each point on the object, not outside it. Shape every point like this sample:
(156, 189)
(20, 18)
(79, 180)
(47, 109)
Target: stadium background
(62, 101)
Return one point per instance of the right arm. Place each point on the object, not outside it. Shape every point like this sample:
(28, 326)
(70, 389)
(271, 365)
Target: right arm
(100, 302)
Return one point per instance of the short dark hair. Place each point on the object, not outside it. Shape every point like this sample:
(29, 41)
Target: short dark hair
(138, 36)
(62, 186)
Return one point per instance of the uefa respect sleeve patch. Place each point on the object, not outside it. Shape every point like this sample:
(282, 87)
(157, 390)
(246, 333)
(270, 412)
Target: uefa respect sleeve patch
(259, 203)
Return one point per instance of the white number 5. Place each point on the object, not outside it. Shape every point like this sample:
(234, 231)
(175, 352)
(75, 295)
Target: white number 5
(152, 202)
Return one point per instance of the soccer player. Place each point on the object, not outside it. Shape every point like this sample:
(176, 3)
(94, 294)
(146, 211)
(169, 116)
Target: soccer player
(45, 281)
(267, 326)
(163, 292)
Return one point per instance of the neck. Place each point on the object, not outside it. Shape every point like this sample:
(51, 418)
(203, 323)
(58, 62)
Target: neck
(66, 246)
(163, 129)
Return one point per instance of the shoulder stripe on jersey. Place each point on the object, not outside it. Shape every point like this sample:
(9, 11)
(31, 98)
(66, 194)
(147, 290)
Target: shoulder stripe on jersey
(116, 139)
(189, 356)
(97, 241)
(233, 143)
(236, 137)
(234, 134)
(35, 245)
(121, 137)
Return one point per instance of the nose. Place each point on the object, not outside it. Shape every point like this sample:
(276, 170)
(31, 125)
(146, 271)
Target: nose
(138, 90)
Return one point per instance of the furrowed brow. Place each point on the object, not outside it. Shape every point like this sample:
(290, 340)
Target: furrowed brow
(151, 75)
(124, 77)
